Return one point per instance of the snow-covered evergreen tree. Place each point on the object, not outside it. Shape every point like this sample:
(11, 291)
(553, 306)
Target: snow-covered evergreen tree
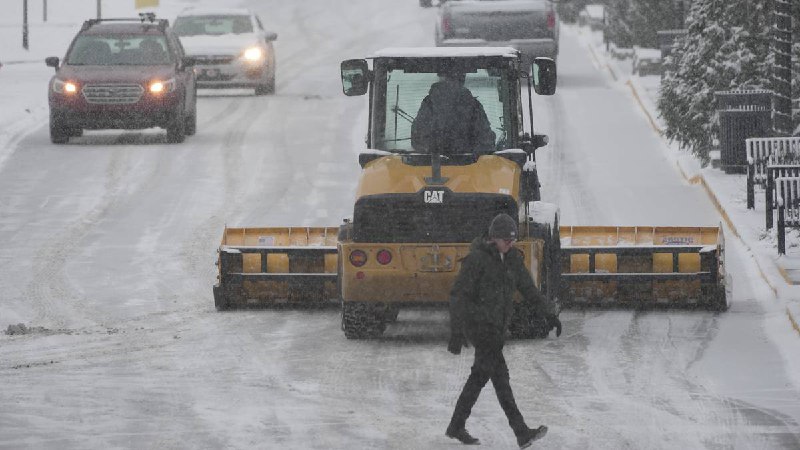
(796, 67)
(727, 47)
(618, 28)
(636, 22)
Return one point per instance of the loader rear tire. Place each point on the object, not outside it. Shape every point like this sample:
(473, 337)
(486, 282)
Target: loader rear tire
(360, 321)
(719, 301)
(390, 314)
(527, 324)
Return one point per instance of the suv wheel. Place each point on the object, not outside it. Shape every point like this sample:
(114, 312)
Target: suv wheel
(269, 84)
(176, 130)
(59, 134)
(191, 121)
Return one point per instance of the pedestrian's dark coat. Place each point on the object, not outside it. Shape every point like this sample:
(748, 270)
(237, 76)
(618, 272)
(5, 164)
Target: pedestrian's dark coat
(481, 300)
(450, 120)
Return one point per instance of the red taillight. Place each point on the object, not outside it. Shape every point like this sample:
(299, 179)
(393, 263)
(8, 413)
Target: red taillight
(358, 258)
(551, 20)
(446, 26)
(384, 257)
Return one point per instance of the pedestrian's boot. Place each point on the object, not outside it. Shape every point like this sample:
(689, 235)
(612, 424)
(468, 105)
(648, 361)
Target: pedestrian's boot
(527, 437)
(462, 436)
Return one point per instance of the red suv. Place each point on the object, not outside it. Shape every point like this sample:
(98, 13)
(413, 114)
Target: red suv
(124, 74)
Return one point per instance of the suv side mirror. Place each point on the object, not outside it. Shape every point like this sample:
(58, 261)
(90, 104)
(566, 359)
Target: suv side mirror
(270, 36)
(52, 61)
(355, 77)
(188, 61)
(544, 76)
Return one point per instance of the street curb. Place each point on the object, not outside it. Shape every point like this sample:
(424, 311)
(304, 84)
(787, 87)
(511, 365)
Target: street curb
(791, 319)
(720, 209)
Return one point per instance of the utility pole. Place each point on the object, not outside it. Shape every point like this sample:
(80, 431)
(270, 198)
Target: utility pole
(25, 24)
(44, 10)
(782, 70)
(99, 9)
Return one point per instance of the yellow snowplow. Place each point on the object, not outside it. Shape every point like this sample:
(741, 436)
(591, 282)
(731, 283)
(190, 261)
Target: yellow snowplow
(415, 215)
(643, 266)
(259, 266)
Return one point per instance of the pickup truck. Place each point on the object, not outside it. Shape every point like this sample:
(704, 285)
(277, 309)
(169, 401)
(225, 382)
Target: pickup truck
(530, 26)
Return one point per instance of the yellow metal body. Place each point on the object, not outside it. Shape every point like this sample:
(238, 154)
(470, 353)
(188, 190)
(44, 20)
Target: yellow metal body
(146, 3)
(646, 258)
(490, 174)
(418, 273)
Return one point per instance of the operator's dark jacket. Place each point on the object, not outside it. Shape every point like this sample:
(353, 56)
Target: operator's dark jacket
(450, 120)
(481, 300)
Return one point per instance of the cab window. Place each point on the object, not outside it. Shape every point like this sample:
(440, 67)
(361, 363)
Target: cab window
(405, 90)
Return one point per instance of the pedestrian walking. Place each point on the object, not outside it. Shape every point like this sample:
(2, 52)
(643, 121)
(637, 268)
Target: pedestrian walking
(481, 306)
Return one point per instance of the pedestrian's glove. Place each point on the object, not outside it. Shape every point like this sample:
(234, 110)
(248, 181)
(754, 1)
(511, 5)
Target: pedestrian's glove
(456, 342)
(553, 322)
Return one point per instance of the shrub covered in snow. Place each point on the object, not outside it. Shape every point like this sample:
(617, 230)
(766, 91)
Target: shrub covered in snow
(636, 22)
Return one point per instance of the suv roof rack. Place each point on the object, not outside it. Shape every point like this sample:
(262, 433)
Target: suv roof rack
(145, 18)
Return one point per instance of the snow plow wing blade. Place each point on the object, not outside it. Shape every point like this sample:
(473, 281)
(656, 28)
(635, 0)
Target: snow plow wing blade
(261, 267)
(643, 267)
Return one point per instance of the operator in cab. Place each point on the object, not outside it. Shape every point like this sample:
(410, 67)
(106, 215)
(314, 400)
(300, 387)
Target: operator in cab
(451, 120)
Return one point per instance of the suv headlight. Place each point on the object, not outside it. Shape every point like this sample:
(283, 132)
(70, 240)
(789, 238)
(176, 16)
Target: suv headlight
(159, 87)
(253, 54)
(64, 87)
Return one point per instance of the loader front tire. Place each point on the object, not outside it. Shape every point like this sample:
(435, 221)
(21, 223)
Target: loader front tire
(360, 321)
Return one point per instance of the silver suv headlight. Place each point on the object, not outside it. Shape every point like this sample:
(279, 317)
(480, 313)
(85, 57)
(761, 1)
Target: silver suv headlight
(253, 54)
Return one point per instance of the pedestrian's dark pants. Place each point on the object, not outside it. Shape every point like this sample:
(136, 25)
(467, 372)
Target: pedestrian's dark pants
(489, 365)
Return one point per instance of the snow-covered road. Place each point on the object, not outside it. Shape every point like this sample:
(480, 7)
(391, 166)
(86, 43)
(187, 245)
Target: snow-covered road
(109, 248)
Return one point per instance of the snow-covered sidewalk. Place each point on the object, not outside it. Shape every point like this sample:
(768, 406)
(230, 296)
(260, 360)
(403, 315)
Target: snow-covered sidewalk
(727, 191)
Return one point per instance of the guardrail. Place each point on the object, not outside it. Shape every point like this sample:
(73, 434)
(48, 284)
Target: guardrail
(788, 193)
(762, 152)
(770, 195)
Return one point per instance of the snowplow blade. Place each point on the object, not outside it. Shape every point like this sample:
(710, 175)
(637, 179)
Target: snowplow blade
(261, 267)
(641, 267)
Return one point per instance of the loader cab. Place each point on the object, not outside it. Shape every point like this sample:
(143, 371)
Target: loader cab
(401, 78)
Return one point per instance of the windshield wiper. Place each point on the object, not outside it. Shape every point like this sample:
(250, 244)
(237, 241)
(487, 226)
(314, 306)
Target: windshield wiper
(400, 112)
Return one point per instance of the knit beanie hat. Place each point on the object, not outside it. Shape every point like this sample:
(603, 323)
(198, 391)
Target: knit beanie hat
(503, 227)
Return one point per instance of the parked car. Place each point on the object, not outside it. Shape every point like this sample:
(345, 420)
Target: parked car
(646, 61)
(592, 16)
(530, 26)
(126, 74)
(231, 48)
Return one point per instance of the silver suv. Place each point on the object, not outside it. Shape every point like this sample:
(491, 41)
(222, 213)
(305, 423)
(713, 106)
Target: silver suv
(230, 47)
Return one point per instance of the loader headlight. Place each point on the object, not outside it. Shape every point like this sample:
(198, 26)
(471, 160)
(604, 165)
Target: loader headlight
(64, 87)
(358, 258)
(159, 87)
(253, 54)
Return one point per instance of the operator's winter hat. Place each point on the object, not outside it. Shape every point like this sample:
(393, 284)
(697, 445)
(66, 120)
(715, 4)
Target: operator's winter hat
(503, 227)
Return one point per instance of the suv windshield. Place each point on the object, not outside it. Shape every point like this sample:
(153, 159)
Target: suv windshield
(212, 25)
(406, 87)
(114, 50)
